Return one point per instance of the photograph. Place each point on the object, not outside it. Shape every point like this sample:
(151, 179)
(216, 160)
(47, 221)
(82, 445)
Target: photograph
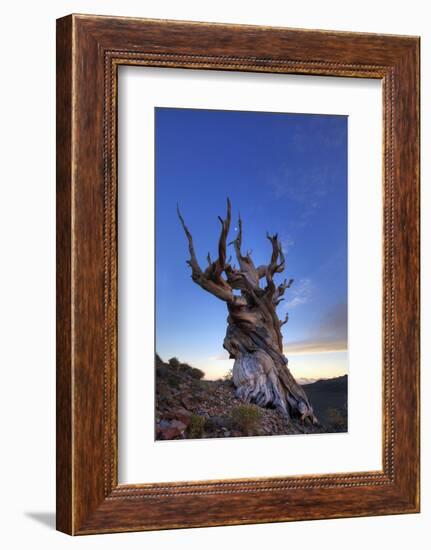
(214, 235)
(251, 282)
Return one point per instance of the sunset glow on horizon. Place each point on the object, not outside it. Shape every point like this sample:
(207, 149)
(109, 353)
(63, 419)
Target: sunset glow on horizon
(304, 367)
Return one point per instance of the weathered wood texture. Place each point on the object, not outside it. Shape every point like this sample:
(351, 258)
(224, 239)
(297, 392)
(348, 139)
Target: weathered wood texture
(89, 499)
(64, 287)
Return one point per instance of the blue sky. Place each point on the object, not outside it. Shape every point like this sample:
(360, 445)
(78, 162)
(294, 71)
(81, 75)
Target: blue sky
(286, 174)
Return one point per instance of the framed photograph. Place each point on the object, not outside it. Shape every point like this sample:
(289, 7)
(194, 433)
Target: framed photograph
(237, 274)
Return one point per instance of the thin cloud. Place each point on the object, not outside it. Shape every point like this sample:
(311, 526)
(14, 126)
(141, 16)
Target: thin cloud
(286, 242)
(302, 185)
(328, 135)
(330, 335)
(300, 293)
(219, 357)
(334, 323)
(308, 347)
(306, 185)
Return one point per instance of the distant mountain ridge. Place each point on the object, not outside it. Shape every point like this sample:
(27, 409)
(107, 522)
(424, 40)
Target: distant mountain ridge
(327, 396)
(306, 381)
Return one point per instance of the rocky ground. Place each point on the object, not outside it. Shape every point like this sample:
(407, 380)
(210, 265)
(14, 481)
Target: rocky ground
(188, 407)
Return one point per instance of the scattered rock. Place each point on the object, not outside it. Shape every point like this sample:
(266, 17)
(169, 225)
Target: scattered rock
(187, 402)
(177, 424)
(181, 414)
(170, 430)
(164, 423)
(181, 398)
(167, 433)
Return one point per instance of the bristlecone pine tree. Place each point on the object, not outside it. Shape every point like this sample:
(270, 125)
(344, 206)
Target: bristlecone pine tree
(253, 337)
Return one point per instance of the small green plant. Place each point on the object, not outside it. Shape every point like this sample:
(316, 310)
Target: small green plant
(228, 377)
(336, 418)
(210, 425)
(247, 418)
(196, 426)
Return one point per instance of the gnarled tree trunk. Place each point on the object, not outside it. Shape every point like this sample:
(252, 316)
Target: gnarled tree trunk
(253, 337)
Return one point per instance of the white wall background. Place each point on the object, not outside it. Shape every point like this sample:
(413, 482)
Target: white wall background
(27, 279)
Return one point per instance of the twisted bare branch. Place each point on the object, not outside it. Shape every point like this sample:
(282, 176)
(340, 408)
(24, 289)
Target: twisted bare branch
(193, 262)
(247, 276)
(220, 264)
(280, 290)
(285, 320)
(211, 280)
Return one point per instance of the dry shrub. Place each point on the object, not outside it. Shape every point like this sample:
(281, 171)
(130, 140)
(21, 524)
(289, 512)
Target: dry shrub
(247, 418)
(196, 426)
(337, 418)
